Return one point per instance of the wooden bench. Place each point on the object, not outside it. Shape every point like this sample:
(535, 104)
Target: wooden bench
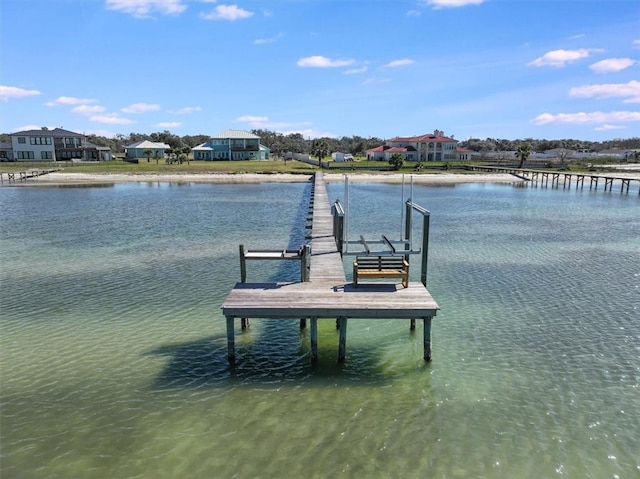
(381, 267)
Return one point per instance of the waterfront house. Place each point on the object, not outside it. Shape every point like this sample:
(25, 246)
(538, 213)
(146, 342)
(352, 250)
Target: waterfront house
(146, 149)
(55, 145)
(6, 151)
(429, 147)
(232, 145)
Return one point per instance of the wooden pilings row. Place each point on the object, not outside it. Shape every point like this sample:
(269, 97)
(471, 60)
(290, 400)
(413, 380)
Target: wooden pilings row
(341, 326)
(13, 176)
(566, 178)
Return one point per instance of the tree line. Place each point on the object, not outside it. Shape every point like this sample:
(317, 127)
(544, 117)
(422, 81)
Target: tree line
(496, 144)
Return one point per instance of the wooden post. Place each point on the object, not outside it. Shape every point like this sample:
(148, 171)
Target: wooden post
(425, 248)
(427, 338)
(243, 265)
(342, 344)
(231, 346)
(305, 257)
(412, 326)
(244, 322)
(314, 339)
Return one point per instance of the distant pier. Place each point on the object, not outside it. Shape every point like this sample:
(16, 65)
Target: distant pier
(324, 293)
(564, 178)
(13, 176)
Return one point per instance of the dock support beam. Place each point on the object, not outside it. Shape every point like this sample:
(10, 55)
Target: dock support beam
(231, 344)
(314, 339)
(427, 338)
(342, 344)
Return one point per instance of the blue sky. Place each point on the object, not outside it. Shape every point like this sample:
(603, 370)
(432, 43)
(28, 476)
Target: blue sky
(473, 68)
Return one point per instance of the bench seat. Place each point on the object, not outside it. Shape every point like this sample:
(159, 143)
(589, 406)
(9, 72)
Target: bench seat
(381, 267)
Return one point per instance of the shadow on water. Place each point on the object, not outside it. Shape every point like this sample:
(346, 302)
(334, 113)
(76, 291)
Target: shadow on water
(203, 363)
(273, 351)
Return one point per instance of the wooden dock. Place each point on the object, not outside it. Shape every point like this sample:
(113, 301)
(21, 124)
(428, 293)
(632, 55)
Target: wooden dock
(327, 293)
(13, 176)
(564, 178)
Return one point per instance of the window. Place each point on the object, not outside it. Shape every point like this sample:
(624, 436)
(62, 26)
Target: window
(46, 155)
(67, 155)
(39, 140)
(26, 155)
(22, 139)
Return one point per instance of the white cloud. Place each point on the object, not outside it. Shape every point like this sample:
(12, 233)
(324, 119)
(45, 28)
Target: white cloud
(355, 71)
(451, 3)
(629, 91)
(636, 43)
(110, 119)
(264, 41)
(168, 124)
(318, 61)
(612, 65)
(141, 108)
(414, 13)
(7, 92)
(105, 133)
(400, 63)
(587, 118)
(88, 109)
(559, 58)
(609, 127)
(186, 110)
(373, 81)
(70, 100)
(227, 12)
(254, 120)
(144, 8)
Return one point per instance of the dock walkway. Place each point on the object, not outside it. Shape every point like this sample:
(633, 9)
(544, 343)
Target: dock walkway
(563, 177)
(327, 294)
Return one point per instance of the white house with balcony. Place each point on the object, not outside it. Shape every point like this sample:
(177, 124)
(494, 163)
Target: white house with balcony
(429, 147)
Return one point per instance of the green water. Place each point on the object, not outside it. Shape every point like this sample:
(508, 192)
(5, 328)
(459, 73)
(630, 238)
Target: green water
(113, 348)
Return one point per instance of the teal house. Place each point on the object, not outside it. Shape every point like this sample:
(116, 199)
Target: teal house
(232, 145)
(146, 149)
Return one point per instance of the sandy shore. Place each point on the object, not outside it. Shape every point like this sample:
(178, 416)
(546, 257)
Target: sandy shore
(67, 178)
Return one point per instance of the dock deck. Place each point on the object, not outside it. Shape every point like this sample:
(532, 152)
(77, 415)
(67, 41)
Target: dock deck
(327, 294)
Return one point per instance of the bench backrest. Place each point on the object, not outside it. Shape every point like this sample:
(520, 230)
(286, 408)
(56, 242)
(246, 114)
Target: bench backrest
(380, 262)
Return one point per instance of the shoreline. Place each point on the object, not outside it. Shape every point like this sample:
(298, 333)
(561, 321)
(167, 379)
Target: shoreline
(95, 179)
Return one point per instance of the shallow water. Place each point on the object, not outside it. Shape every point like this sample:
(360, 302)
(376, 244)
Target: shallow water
(113, 347)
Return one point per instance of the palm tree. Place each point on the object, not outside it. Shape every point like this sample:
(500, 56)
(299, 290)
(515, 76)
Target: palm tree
(396, 160)
(148, 153)
(320, 149)
(522, 153)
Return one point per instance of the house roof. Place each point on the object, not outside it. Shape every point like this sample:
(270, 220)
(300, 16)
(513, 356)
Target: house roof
(422, 138)
(149, 144)
(55, 133)
(391, 149)
(235, 135)
(203, 147)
